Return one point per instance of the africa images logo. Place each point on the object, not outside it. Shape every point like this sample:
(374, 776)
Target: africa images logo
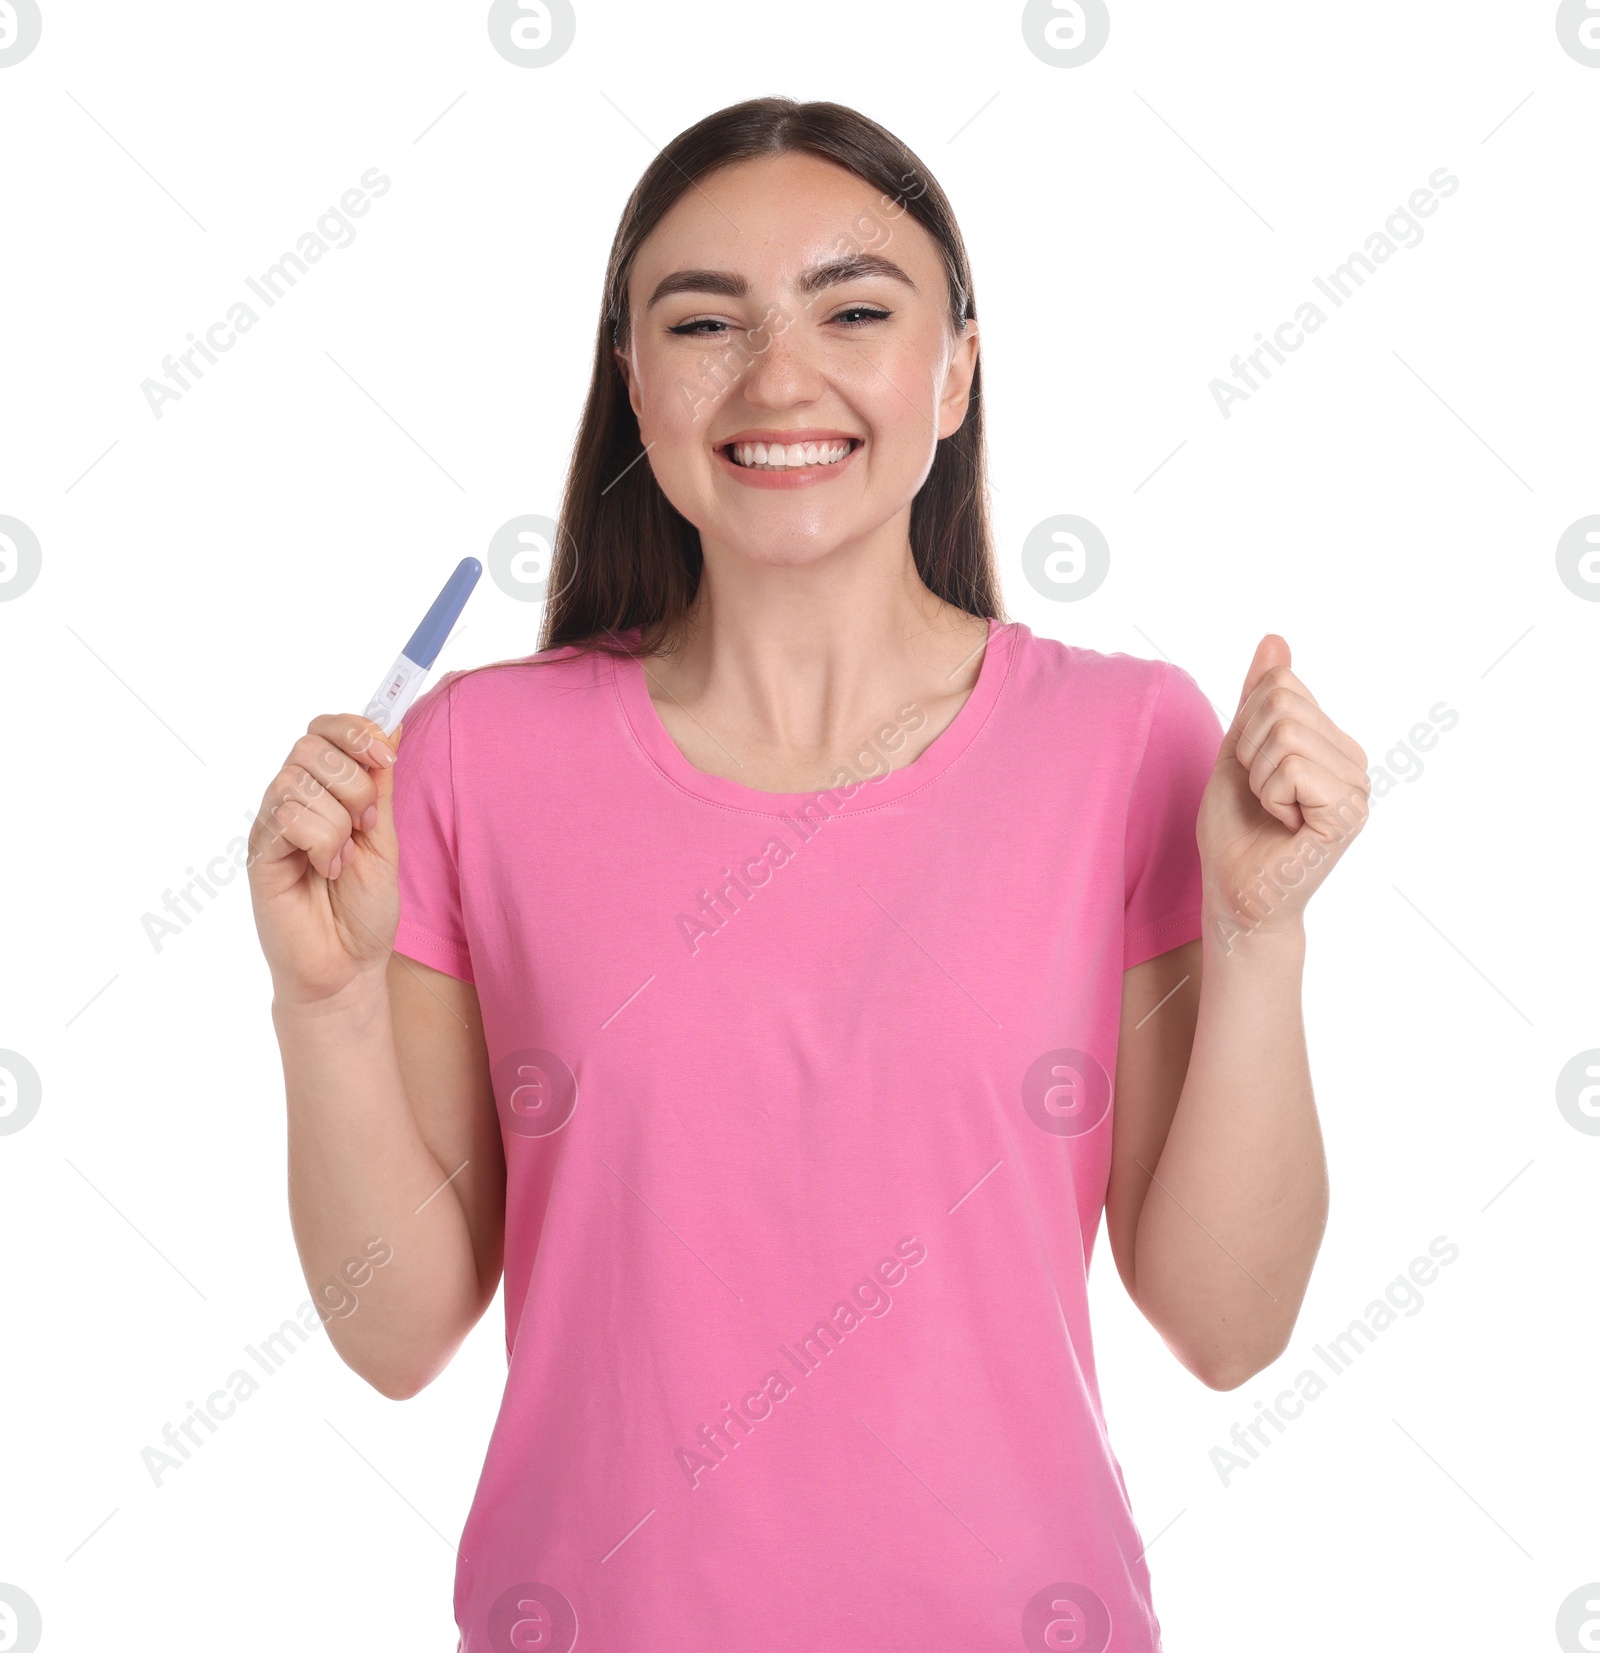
(532, 33)
(20, 556)
(20, 28)
(1578, 30)
(1066, 1618)
(532, 1618)
(538, 1091)
(1066, 1092)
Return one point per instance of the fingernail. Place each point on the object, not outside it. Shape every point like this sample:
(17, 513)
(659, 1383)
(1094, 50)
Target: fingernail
(385, 754)
(369, 817)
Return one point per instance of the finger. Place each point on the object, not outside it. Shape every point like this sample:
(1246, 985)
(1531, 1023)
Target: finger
(370, 830)
(1271, 652)
(1301, 784)
(378, 833)
(331, 781)
(324, 824)
(1276, 685)
(337, 770)
(1276, 705)
(1290, 738)
(342, 825)
(292, 820)
(1277, 795)
(1284, 677)
(357, 736)
(288, 823)
(1289, 699)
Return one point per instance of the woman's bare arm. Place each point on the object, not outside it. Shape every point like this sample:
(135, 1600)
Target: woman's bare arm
(1219, 1188)
(1220, 1179)
(396, 1184)
(393, 1139)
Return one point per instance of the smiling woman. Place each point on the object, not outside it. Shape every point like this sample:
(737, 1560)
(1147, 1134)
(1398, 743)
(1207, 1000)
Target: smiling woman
(810, 236)
(774, 544)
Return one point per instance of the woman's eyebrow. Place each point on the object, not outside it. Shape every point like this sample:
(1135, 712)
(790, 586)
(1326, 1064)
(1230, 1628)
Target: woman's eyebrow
(812, 280)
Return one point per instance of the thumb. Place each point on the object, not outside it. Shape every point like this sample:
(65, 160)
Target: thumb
(1271, 651)
(383, 833)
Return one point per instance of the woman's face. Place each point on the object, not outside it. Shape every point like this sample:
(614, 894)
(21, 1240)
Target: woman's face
(785, 301)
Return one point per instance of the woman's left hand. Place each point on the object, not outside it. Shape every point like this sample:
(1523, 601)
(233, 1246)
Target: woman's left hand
(1285, 800)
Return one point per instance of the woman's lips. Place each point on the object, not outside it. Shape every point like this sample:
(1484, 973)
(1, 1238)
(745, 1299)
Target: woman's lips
(801, 476)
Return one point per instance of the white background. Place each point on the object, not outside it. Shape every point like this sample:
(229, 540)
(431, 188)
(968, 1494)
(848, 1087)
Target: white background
(1390, 502)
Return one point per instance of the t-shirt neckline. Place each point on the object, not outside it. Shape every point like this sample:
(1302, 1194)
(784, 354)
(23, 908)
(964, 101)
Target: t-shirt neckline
(948, 745)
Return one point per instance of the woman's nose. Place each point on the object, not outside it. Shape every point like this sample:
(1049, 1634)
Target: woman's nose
(781, 364)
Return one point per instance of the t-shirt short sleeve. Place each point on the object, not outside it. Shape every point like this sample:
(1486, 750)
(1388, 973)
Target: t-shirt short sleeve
(1162, 892)
(431, 927)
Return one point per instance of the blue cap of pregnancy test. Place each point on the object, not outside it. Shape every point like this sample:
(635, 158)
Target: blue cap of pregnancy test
(428, 638)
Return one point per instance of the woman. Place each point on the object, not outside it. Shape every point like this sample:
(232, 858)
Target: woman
(745, 975)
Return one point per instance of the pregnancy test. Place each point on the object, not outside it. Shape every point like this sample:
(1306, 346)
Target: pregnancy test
(400, 687)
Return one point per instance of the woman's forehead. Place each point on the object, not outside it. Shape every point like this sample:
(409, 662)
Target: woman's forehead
(771, 219)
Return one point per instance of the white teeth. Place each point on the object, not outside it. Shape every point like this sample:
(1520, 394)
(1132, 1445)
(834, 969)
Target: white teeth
(779, 456)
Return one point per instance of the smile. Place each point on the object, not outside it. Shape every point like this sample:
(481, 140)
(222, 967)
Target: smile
(792, 465)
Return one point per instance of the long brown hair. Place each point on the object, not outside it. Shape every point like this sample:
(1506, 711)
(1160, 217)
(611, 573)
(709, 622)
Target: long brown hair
(625, 557)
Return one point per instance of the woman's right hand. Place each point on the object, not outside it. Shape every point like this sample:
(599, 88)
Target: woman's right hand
(324, 861)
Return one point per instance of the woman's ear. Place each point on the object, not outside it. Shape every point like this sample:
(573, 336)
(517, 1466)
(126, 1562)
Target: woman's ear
(958, 379)
(625, 367)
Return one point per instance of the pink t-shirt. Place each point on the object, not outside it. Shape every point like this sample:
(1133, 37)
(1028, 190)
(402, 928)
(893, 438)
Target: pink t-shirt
(806, 1103)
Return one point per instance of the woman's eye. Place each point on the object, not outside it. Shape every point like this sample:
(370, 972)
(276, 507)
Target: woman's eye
(861, 310)
(687, 328)
(692, 329)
